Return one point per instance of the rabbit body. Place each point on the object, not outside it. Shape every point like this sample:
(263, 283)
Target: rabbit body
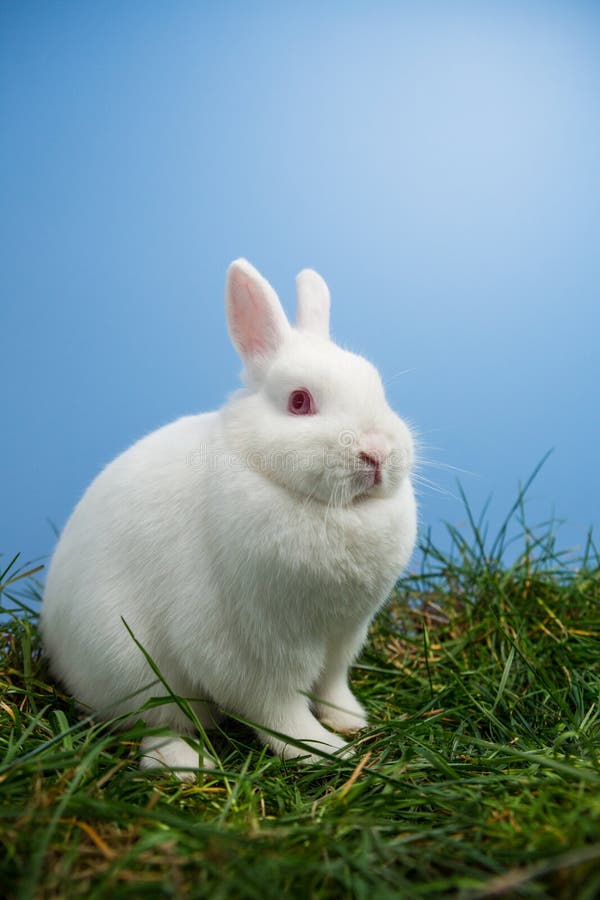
(247, 549)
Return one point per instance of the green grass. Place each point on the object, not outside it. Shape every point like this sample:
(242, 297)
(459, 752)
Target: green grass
(479, 777)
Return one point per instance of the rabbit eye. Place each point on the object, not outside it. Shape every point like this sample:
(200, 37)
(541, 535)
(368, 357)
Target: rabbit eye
(301, 403)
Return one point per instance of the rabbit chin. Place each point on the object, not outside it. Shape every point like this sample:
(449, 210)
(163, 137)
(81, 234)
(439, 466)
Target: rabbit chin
(338, 487)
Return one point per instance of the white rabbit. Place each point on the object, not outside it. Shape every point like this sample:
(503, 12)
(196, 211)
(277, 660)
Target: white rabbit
(247, 549)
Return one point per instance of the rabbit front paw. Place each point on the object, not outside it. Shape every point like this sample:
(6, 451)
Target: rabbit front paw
(341, 711)
(306, 734)
(171, 752)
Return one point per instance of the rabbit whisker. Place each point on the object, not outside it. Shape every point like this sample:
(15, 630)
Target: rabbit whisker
(447, 467)
(432, 486)
(398, 374)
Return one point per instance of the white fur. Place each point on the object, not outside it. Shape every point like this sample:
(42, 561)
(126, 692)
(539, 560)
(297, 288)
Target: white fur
(247, 549)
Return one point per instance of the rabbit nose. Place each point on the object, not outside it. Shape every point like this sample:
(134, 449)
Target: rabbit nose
(374, 446)
(374, 451)
(374, 462)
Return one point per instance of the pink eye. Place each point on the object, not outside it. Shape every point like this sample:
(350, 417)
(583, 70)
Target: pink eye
(300, 403)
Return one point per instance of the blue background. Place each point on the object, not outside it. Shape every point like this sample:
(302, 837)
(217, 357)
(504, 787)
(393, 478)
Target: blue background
(437, 162)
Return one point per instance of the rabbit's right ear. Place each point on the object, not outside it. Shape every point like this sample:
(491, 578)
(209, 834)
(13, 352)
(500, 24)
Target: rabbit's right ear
(313, 303)
(257, 323)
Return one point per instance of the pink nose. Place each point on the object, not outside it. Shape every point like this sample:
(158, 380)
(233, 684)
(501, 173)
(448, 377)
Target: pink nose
(374, 445)
(374, 451)
(374, 462)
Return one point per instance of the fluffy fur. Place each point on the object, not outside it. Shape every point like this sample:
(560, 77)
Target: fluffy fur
(247, 549)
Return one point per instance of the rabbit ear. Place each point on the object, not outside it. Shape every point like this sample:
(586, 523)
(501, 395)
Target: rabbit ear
(257, 323)
(313, 303)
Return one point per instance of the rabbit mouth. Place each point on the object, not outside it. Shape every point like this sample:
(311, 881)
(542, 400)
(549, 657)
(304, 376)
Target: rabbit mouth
(363, 483)
(369, 481)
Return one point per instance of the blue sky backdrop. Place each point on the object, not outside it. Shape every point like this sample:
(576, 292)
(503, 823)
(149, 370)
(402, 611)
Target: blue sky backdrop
(437, 162)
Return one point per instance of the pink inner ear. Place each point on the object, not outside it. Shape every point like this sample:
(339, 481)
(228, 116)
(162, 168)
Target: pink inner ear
(251, 318)
(248, 320)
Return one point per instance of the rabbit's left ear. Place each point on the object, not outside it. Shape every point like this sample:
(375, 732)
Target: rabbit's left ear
(257, 323)
(313, 303)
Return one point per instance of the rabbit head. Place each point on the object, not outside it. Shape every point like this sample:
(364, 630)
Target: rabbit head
(313, 417)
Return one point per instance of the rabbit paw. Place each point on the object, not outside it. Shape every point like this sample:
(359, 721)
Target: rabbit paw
(302, 727)
(171, 752)
(342, 712)
(333, 745)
